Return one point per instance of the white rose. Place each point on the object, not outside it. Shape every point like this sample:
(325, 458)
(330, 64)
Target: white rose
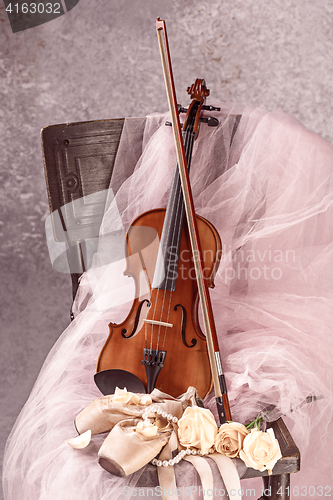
(230, 438)
(197, 428)
(261, 450)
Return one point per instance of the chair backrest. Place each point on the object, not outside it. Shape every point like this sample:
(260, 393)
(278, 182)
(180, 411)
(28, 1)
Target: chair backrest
(79, 160)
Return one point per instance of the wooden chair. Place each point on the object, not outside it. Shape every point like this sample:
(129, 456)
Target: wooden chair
(79, 160)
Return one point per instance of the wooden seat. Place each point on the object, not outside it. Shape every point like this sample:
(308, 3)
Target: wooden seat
(79, 160)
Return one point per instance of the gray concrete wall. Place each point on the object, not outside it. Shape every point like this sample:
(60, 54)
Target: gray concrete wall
(101, 60)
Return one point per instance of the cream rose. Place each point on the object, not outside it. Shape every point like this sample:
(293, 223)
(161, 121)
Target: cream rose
(261, 450)
(197, 428)
(230, 437)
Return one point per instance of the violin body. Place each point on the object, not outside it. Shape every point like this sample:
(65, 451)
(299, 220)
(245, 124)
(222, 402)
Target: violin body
(161, 318)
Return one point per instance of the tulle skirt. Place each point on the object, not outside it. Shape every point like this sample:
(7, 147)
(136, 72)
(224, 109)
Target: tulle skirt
(266, 183)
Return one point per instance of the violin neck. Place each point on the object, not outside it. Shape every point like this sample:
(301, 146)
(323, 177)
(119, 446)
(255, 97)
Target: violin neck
(166, 270)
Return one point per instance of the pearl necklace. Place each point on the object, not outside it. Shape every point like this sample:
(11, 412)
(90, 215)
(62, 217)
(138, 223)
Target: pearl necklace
(182, 453)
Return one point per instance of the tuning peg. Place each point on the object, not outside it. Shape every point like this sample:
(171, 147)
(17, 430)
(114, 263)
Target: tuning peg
(211, 108)
(169, 124)
(211, 121)
(181, 109)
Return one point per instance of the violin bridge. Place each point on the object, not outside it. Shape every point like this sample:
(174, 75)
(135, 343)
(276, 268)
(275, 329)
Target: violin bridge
(159, 323)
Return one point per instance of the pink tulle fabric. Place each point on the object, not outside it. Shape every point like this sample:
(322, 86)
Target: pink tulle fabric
(266, 183)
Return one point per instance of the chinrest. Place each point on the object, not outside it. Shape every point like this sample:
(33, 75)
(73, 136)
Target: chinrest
(108, 380)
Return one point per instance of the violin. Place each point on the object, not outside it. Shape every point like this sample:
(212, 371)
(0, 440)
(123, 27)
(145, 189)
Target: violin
(163, 329)
(160, 343)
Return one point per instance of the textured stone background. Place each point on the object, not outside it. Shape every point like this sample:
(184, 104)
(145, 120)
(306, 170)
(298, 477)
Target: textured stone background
(101, 60)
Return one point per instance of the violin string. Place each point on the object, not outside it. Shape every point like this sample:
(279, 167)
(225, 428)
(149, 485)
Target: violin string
(172, 204)
(179, 208)
(144, 326)
(174, 243)
(177, 234)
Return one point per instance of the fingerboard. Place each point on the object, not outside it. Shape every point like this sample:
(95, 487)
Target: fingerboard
(166, 270)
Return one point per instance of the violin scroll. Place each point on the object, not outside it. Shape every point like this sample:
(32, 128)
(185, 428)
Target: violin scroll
(198, 90)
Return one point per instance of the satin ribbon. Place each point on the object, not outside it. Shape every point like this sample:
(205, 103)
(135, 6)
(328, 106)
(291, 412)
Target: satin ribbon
(229, 475)
(166, 475)
(205, 473)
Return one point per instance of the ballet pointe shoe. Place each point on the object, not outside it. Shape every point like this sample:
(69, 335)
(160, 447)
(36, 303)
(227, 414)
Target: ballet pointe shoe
(103, 414)
(125, 451)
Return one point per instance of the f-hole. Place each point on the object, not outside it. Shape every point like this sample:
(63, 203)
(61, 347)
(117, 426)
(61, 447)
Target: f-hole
(183, 327)
(136, 322)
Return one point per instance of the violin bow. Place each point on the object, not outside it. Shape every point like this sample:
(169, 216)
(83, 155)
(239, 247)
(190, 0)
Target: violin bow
(220, 388)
